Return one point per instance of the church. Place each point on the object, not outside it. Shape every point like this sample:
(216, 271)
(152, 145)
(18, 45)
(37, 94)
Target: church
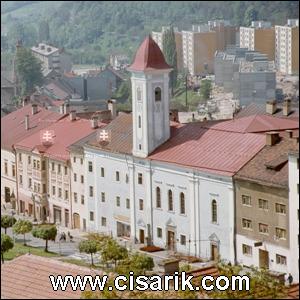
(159, 182)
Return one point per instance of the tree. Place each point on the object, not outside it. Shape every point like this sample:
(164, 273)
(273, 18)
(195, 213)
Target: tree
(44, 32)
(112, 251)
(45, 232)
(29, 70)
(90, 247)
(170, 53)
(251, 14)
(22, 227)
(7, 221)
(205, 89)
(6, 244)
(139, 263)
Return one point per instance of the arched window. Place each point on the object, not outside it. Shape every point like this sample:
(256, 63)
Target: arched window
(139, 94)
(158, 94)
(158, 199)
(170, 200)
(182, 203)
(214, 211)
(140, 122)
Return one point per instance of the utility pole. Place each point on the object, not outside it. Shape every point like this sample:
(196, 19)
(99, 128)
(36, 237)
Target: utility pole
(186, 104)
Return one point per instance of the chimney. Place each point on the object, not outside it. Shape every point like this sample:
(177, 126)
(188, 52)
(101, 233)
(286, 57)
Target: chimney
(271, 107)
(272, 138)
(25, 101)
(112, 106)
(66, 108)
(289, 133)
(286, 109)
(61, 109)
(27, 122)
(72, 115)
(94, 122)
(34, 109)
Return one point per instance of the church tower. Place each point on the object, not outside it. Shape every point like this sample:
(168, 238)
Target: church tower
(150, 98)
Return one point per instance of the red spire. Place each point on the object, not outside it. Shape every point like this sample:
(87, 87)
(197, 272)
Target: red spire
(149, 57)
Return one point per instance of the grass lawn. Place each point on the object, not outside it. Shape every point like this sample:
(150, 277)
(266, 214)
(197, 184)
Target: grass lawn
(20, 249)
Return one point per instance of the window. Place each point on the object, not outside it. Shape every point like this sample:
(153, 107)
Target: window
(247, 250)
(59, 169)
(59, 192)
(82, 179)
(81, 161)
(75, 197)
(182, 240)
(263, 204)
(117, 176)
(43, 165)
(29, 159)
(246, 200)
(139, 94)
(44, 188)
(20, 156)
(91, 216)
(103, 222)
(102, 197)
(158, 200)
(90, 166)
(91, 191)
(214, 212)
(127, 203)
(5, 168)
(38, 164)
(53, 167)
(13, 169)
(102, 172)
(140, 121)
(141, 204)
(34, 164)
(29, 182)
(263, 228)
(140, 178)
(127, 178)
(170, 200)
(157, 94)
(182, 203)
(66, 195)
(66, 170)
(118, 201)
(280, 208)
(53, 190)
(159, 232)
(247, 224)
(75, 177)
(280, 259)
(280, 233)
(74, 159)
(21, 179)
(82, 199)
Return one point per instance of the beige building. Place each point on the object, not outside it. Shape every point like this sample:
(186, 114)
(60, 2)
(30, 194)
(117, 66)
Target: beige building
(287, 47)
(158, 38)
(260, 36)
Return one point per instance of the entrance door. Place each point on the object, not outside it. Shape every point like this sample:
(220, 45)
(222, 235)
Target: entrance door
(171, 240)
(214, 252)
(142, 236)
(57, 215)
(30, 209)
(7, 194)
(67, 218)
(263, 259)
(76, 219)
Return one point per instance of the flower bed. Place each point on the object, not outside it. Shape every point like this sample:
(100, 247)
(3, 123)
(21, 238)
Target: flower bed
(151, 249)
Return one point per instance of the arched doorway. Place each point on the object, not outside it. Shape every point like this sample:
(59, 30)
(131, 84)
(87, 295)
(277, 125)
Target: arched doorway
(76, 219)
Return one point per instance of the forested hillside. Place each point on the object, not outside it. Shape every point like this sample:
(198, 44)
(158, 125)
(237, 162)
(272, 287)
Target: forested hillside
(90, 30)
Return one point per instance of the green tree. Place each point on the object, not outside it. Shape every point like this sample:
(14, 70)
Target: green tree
(90, 247)
(45, 232)
(22, 227)
(112, 251)
(205, 89)
(170, 54)
(7, 221)
(139, 263)
(29, 70)
(251, 14)
(6, 244)
(44, 32)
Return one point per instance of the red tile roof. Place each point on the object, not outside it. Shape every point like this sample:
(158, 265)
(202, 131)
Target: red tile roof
(66, 133)
(27, 277)
(13, 125)
(148, 57)
(257, 123)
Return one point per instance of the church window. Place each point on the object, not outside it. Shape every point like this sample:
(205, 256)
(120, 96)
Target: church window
(157, 94)
(170, 200)
(214, 211)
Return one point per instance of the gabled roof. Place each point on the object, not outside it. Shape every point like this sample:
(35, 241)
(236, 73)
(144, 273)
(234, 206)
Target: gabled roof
(149, 57)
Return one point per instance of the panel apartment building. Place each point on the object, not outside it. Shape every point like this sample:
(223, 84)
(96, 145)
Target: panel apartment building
(287, 47)
(260, 36)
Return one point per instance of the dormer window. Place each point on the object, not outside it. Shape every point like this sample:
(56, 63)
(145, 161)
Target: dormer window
(139, 94)
(158, 94)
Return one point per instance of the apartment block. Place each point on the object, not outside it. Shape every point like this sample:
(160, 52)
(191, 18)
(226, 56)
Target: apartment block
(287, 47)
(260, 36)
(158, 38)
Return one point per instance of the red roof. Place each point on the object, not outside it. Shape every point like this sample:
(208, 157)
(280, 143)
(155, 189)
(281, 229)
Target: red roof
(149, 57)
(210, 150)
(257, 123)
(66, 133)
(13, 125)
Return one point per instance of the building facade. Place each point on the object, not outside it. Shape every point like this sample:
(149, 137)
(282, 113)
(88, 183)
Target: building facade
(287, 47)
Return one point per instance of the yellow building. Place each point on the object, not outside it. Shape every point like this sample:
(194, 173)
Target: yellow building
(260, 36)
(287, 47)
